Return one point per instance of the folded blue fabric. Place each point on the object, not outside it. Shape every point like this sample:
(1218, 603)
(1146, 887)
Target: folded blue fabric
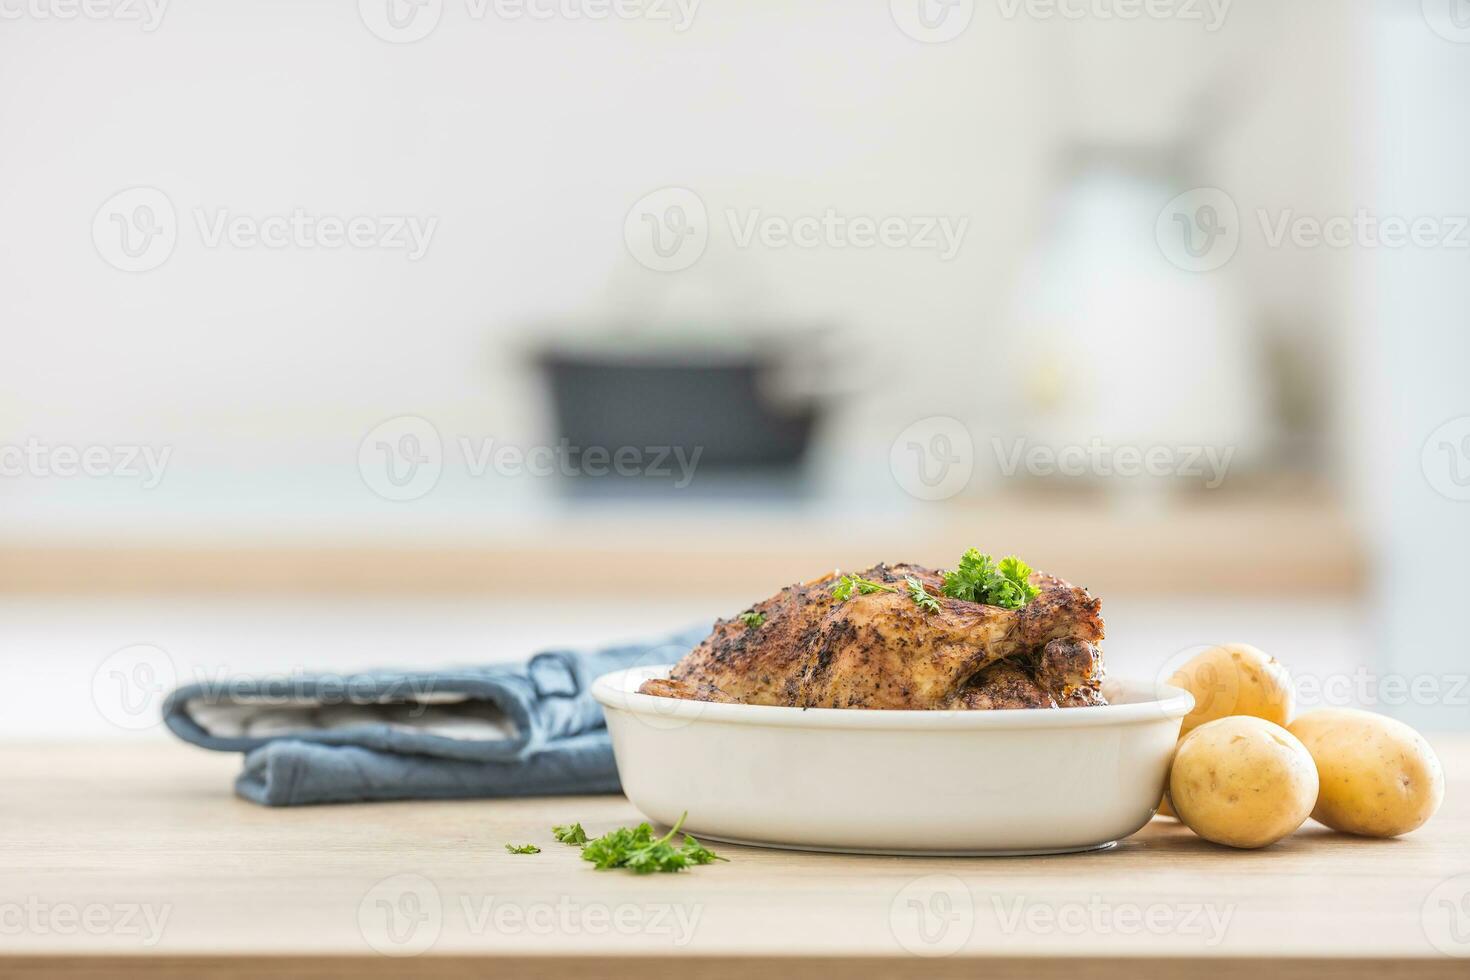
(494, 731)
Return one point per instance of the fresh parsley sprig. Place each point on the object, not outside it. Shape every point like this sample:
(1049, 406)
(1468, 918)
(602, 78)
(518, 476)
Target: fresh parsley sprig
(572, 834)
(978, 578)
(523, 848)
(850, 585)
(636, 849)
(752, 619)
(920, 595)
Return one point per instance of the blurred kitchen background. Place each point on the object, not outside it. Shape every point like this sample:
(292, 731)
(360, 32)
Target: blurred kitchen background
(346, 334)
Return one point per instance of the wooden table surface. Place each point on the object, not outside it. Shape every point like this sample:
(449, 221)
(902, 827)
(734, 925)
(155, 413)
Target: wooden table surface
(132, 857)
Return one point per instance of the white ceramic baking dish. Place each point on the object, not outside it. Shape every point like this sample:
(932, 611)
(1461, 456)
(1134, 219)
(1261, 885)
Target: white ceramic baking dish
(1025, 781)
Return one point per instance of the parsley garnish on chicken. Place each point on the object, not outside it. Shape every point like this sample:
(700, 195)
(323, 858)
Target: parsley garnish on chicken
(979, 579)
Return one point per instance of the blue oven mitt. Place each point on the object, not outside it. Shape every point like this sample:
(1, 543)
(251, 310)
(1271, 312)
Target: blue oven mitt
(528, 729)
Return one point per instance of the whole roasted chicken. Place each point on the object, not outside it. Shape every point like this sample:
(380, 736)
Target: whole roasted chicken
(899, 642)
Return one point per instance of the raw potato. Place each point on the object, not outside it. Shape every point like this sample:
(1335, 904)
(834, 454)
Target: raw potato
(1379, 777)
(1242, 781)
(1235, 679)
(1232, 679)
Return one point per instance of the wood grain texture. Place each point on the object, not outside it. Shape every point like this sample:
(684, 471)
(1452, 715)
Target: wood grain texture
(239, 890)
(433, 967)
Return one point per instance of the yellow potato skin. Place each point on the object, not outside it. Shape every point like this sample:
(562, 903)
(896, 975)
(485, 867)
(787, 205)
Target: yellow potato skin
(1242, 781)
(1232, 679)
(1235, 679)
(1379, 777)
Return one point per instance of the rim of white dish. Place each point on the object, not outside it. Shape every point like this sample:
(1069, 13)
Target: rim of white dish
(1147, 701)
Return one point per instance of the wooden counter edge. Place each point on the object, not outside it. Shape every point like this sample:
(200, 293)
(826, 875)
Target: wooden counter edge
(677, 967)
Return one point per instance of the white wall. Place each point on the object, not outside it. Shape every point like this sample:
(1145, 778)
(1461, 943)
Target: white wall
(529, 141)
(1416, 357)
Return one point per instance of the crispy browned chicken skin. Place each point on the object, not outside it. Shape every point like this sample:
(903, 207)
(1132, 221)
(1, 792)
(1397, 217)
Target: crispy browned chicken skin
(882, 651)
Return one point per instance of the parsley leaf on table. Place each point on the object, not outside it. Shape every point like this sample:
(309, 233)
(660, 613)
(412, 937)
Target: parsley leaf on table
(523, 848)
(573, 834)
(636, 849)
